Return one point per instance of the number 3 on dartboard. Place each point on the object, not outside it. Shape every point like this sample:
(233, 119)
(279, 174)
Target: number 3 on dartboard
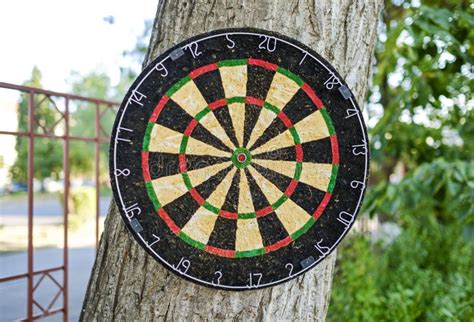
(217, 278)
(268, 43)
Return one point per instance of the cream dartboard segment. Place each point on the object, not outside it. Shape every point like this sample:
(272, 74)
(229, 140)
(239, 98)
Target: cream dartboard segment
(239, 159)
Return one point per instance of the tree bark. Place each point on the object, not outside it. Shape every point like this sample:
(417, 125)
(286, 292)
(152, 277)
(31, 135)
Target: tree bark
(126, 283)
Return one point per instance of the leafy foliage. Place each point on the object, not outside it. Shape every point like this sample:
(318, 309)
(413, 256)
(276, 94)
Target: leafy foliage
(425, 274)
(422, 93)
(422, 135)
(450, 186)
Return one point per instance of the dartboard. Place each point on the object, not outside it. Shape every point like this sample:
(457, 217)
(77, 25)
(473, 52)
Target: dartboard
(239, 159)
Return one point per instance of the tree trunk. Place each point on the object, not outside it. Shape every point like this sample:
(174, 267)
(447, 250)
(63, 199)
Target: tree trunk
(126, 283)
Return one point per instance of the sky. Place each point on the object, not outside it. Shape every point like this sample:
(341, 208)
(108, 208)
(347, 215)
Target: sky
(63, 36)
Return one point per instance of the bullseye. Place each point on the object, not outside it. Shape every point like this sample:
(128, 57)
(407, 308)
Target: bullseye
(241, 158)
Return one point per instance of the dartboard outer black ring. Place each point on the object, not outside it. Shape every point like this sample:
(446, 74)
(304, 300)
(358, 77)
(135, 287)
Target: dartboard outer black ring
(239, 159)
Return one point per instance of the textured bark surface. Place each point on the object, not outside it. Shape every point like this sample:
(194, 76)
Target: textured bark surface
(126, 283)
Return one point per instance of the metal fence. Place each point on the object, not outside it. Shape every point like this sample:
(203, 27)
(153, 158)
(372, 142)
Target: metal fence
(61, 102)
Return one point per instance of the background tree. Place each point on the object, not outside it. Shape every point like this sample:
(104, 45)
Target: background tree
(127, 284)
(134, 57)
(94, 84)
(48, 152)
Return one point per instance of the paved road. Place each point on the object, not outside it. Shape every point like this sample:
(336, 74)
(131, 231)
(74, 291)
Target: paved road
(13, 294)
(46, 210)
(43, 206)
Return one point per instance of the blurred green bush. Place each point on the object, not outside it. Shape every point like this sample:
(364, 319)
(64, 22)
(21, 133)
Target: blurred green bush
(426, 274)
(82, 201)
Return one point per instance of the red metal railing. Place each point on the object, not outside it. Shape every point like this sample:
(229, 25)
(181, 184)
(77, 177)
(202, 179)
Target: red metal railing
(101, 137)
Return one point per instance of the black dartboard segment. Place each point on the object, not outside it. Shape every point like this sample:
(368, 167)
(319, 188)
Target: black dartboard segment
(239, 159)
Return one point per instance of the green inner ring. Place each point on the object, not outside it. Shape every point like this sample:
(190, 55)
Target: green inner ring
(241, 164)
